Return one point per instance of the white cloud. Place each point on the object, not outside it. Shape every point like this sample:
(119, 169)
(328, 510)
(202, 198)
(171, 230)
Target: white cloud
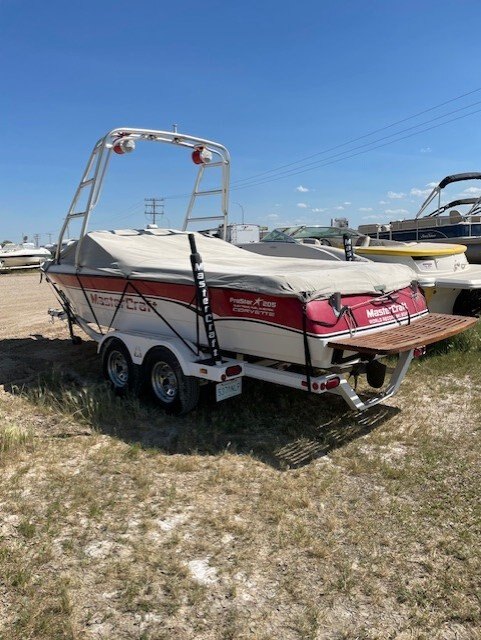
(272, 216)
(339, 208)
(366, 209)
(432, 184)
(426, 150)
(374, 216)
(277, 205)
(318, 210)
(392, 195)
(302, 189)
(347, 203)
(395, 211)
(419, 192)
(472, 191)
(383, 202)
(302, 205)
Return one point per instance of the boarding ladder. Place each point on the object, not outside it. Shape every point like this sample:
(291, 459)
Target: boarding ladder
(205, 153)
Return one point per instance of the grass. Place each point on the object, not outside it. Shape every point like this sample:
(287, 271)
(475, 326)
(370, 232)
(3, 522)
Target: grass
(283, 516)
(14, 437)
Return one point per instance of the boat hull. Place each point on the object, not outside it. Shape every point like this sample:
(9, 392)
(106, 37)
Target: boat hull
(248, 323)
(10, 262)
(21, 258)
(469, 235)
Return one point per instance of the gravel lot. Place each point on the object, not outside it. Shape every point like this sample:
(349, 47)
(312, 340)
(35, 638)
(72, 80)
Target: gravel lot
(31, 343)
(24, 304)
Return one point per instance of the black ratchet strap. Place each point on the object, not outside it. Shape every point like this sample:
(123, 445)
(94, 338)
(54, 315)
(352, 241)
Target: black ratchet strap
(89, 304)
(152, 308)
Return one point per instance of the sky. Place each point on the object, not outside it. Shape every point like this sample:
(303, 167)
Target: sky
(274, 82)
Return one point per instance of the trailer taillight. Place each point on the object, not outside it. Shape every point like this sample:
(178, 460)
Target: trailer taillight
(333, 383)
(323, 386)
(234, 370)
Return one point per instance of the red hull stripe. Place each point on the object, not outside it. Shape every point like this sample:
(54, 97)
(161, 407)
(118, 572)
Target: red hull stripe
(285, 312)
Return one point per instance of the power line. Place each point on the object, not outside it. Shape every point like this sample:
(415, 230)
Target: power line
(366, 135)
(373, 142)
(346, 157)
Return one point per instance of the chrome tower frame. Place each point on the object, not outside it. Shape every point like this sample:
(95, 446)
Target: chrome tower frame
(94, 174)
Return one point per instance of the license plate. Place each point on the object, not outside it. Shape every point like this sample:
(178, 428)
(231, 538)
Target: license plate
(228, 389)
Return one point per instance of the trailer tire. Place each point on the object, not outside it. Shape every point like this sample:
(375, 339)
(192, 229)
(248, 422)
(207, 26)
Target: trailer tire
(165, 382)
(468, 303)
(118, 368)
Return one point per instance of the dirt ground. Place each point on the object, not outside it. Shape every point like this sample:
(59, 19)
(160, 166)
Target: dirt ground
(30, 342)
(31, 300)
(273, 515)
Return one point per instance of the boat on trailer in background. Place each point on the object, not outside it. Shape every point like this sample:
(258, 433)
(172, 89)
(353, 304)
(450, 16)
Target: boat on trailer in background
(22, 256)
(457, 221)
(167, 319)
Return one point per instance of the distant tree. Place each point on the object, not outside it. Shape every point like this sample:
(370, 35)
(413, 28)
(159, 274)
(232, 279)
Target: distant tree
(5, 242)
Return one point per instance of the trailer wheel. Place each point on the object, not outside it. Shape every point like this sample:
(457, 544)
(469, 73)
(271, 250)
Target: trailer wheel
(118, 367)
(468, 303)
(166, 383)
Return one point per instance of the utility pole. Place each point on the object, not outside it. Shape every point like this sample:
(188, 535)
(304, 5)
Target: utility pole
(242, 209)
(36, 237)
(49, 238)
(151, 205)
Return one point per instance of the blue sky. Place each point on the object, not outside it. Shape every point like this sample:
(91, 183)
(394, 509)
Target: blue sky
(275, 82)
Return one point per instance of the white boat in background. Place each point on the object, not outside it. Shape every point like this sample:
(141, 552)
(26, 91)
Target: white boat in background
(22, 256)
(449, 282)
(169, 318)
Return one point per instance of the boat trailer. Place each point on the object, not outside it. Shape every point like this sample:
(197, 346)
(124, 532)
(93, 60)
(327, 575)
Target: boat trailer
(172, 367)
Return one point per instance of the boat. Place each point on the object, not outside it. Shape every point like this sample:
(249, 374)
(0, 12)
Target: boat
(285, 320)
(449, 282)
(457, 221)
(259, 305)
(23, 255)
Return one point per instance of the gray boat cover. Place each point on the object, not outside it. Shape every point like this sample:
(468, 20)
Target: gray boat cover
(164, 255)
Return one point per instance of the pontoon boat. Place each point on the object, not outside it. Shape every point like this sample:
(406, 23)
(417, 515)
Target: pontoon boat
(457, 221)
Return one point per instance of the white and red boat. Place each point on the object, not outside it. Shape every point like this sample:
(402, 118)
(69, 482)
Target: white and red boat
(297, 322)
(262, 307)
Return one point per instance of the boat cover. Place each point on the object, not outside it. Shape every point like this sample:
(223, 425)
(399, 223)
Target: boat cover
(164, 255)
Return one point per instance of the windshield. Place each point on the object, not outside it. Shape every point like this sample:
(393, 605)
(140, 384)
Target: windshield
(278, 235)
(323, 232)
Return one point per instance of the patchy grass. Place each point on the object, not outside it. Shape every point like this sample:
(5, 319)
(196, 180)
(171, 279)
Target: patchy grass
(275, 515)
(14, 438)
